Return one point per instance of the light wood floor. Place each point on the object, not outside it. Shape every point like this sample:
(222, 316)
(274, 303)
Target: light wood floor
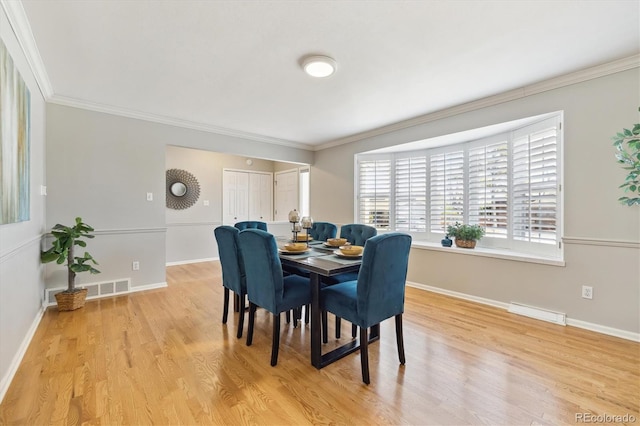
(163, 357)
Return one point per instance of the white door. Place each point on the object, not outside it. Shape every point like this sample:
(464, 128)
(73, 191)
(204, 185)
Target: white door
(286, 184)
(235, 196)
(260, 196)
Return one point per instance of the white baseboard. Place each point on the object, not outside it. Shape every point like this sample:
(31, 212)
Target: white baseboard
(17, 359)
(458, 295)
(148, 287)
(186, 262)
(603, 329)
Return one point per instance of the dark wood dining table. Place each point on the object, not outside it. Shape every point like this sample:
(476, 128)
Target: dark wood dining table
(319, 261)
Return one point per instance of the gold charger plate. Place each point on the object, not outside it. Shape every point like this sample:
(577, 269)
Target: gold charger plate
(284, 251)
(348, 256)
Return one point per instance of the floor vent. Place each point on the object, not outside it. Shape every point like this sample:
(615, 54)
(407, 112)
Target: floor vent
(95, 290)
(538, 313)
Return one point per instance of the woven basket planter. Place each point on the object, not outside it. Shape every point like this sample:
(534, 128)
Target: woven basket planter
(465, 243)
(71, 301)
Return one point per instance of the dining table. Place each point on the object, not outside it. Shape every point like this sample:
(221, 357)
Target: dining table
(320, 260)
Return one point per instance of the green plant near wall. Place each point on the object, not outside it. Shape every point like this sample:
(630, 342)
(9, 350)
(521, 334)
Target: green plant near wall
(627, 143)
(62, 250)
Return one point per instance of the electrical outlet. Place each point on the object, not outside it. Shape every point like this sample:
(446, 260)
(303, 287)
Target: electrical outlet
(149, 196)
(135, 265)
(587, 292)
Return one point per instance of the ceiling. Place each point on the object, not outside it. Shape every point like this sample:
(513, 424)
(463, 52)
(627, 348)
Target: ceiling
(234, 66)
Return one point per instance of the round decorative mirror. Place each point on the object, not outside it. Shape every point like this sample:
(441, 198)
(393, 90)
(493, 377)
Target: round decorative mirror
(178, 189)
(183, 189)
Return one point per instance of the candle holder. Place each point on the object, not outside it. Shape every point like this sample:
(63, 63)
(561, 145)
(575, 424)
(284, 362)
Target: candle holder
(307, 223)
(294, 218)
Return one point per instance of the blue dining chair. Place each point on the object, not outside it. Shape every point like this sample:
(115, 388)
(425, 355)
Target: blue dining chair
(377, 294)
(266, 286)
(322, 231)
(356, 234)
(233, 275)
(251, 224)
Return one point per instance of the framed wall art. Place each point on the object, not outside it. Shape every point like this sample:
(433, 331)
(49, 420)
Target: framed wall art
(15, 109)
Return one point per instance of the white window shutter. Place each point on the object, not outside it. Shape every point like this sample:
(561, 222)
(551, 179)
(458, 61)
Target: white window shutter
(488, 188)
(446, 189)
(411, 194)
(535, 180)
(374, 192)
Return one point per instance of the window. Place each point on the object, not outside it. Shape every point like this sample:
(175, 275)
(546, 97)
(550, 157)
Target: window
(374, 177)
(507, 183)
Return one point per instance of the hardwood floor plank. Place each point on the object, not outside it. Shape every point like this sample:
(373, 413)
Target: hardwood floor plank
(163, 357)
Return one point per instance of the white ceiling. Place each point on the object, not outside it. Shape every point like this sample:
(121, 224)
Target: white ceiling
(234, 65)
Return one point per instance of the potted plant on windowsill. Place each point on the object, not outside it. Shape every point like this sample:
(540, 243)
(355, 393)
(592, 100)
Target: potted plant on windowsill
(61, 251)
(465, 235)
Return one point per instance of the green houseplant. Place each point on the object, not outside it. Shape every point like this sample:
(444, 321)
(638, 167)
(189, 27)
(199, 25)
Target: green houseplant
(465, 235)
(61, 251)
(627, 143)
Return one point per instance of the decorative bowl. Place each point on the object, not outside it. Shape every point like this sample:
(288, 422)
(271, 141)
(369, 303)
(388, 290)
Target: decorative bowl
(336, 242)
(303, 237)
(295, 247)
(351, 250)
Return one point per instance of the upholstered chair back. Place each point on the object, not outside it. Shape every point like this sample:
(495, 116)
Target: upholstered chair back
(251, 224)
(233, 275)
(263, 269)
(357, 234)
(322, 231)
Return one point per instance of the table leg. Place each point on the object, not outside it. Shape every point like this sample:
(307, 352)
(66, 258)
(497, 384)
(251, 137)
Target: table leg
(316, 320)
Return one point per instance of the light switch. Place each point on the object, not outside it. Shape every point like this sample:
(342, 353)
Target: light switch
(205, 202)
(43, 190)
(149, 196)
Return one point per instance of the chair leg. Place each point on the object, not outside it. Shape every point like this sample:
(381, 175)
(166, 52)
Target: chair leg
(296, 315)
(354, 330)
(364, 353)
(241, 318)
(400, 338)
(276, 339)
(252, 314)
(307, 315)
(338, 326)
(325, 331)
(225, 309)
(236, 303)
(288, 316)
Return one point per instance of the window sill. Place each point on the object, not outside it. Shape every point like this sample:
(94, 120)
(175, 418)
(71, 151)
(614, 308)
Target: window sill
(488, 252)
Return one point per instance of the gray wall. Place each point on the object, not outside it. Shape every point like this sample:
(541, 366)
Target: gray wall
(190, 231)
(21, 283)
(603, 237)
(110, 163)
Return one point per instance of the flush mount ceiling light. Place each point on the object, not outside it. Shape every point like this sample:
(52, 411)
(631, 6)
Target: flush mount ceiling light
(319, 66)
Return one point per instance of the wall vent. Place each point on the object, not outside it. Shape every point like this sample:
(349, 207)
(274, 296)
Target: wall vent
(95, 290)
(559, 318)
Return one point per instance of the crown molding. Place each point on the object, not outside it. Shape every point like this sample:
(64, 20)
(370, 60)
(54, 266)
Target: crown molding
(20, 25)
(124, 112)
(586, 74)
(22, 30)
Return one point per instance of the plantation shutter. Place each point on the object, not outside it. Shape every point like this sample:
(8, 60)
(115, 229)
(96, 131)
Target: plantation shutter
(374, 192)
(446, 189)
(488, 188)
(535, 180)
(411, 194)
